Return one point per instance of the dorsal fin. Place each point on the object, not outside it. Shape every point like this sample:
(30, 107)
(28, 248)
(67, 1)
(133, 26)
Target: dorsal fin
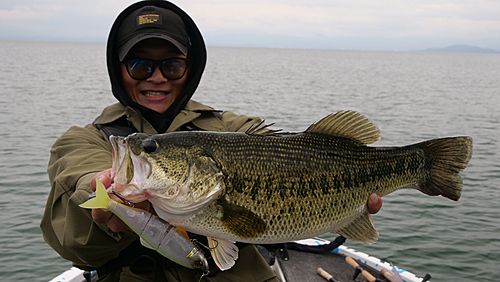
(348, 124)
(261, 129)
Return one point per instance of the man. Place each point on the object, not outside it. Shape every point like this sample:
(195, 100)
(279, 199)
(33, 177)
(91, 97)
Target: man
(155, 57)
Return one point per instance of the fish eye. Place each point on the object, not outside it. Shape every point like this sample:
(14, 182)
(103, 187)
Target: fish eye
(150, 146)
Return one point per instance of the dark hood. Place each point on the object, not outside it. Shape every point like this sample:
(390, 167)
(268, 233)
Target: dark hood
(197, 53)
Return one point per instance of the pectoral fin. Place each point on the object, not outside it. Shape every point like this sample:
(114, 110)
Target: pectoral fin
(360, 230)
(224, 252)
(240, 221)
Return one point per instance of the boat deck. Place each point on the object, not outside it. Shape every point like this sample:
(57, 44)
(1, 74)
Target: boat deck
(302, 266)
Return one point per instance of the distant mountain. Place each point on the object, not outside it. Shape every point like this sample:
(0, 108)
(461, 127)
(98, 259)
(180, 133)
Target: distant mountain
(461, 49)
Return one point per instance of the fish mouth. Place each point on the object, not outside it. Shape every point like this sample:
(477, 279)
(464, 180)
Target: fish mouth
(128, 171)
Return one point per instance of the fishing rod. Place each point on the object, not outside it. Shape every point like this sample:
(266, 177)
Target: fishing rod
(326, 275)
(359, 269)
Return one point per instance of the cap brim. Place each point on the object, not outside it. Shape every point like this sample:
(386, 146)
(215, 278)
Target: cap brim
(123, 50)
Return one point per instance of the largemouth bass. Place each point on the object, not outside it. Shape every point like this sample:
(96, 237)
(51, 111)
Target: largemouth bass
(268, 187)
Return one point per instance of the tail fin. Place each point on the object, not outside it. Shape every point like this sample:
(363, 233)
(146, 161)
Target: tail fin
(100, 200)
(447, 157)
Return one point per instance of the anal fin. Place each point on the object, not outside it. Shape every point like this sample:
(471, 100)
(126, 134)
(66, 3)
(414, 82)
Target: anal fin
(360, 230)
(224, 252)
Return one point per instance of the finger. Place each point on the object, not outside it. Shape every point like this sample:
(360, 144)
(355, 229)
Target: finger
(145, 205)
(117, 225)
(105, 178)
(374, 203)
(101, 215)
(108, 218)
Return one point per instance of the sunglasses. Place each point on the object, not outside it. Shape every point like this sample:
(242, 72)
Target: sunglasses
(172, 68)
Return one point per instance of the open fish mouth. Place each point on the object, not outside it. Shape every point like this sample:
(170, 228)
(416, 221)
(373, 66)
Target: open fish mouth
(128, 171)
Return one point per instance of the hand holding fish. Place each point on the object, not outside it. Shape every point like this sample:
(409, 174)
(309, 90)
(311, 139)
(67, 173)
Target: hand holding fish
(155, 233)
(374, 203)
(104, 216)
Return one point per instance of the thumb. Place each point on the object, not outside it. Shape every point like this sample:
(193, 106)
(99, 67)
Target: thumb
(103, 176)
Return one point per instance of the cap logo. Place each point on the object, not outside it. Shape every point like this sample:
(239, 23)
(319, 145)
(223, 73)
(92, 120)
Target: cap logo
(149, 19)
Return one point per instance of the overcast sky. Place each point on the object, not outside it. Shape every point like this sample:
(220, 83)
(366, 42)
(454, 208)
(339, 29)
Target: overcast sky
(332, 24)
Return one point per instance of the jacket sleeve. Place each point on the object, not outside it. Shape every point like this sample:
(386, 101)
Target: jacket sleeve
(75, 158)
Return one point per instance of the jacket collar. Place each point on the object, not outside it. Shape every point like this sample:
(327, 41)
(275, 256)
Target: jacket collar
(200, 115)
(191, 113)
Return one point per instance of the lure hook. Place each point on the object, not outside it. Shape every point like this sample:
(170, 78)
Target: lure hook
(204, 246)
(127, 202)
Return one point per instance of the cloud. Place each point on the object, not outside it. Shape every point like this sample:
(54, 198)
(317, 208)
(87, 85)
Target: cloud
(25, 14)
(393, 20)
(28, 20)
(351, 18)
(53, 21)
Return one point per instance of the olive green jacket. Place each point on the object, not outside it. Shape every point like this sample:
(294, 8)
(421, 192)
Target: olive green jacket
(79, 154)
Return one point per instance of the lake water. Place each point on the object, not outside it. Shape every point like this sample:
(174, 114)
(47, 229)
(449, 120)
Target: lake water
(46, 87)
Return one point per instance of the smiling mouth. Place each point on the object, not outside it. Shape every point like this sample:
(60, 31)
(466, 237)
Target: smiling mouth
(154, 94)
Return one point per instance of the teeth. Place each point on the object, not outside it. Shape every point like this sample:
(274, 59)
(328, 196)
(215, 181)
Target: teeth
(153, 94)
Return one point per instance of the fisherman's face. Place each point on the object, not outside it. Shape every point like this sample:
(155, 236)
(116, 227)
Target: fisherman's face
(156, 92)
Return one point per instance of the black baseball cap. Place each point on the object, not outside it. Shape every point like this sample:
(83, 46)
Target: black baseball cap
(151, 22)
